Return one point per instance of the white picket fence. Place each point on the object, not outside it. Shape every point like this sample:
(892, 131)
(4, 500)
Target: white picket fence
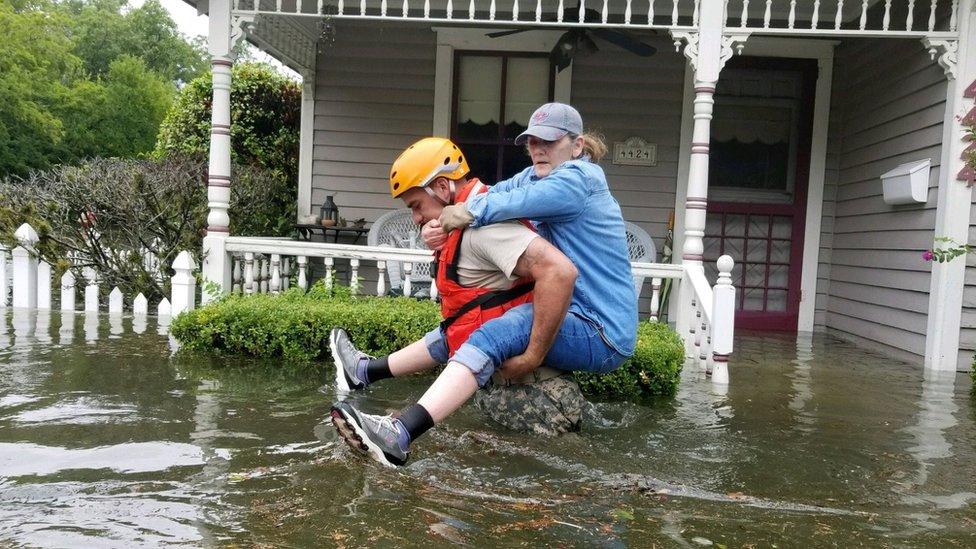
(26, 282)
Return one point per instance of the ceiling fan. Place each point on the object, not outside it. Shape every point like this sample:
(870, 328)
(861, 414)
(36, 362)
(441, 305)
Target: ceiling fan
(578, 39)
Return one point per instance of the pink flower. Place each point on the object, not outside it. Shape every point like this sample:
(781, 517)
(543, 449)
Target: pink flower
(927, 255)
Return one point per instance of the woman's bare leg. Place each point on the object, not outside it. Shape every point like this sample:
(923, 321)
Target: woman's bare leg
(450, 390)
(411, 359)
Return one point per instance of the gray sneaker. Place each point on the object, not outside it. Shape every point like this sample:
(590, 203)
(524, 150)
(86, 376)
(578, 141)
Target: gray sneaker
(374, 436)
(346, 358)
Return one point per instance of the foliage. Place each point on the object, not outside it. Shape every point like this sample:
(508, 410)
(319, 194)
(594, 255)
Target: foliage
(265, 115)
(36, 68)
(105, 30)
(950, 252)
(117, 115)
(86, 77)
(653, 370)
(295, 327)
(952, 248)
(107, 211)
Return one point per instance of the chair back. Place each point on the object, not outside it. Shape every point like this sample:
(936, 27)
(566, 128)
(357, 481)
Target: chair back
(640, 247)
(396, 229)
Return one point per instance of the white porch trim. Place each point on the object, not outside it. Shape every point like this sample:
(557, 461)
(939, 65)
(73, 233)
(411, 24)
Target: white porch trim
(450, 39)
(953, 206)
(306, 142)
(797, 48)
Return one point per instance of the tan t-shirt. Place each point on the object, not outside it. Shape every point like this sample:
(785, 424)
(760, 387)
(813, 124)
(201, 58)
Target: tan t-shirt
(489, 254)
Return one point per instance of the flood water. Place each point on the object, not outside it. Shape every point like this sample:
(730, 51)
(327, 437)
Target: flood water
(108, 441)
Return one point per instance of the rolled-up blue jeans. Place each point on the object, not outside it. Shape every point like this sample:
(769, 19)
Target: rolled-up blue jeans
(579, 345)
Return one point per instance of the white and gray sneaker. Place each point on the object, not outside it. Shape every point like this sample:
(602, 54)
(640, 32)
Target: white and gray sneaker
(346, 358)
(370, 435)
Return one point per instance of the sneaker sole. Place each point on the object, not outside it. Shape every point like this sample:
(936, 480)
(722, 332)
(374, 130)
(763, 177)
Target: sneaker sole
(350, 431)
(340, 375)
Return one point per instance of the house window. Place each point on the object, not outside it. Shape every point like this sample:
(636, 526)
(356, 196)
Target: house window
(494, 95)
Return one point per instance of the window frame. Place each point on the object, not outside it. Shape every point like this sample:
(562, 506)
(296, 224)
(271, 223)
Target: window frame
(501, 143)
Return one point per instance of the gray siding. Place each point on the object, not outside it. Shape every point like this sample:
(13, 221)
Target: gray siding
(887, 108)
(967, 334)
(374, 95)
(623, 96)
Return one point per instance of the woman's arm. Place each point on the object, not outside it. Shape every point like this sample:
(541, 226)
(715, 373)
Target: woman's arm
(560, 196)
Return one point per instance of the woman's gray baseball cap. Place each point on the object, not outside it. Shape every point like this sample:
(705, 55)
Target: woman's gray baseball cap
(551, 122)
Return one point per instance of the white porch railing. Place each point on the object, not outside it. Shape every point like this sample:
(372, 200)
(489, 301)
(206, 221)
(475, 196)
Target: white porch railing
(262, 265)
(934, 18)
(266, 265)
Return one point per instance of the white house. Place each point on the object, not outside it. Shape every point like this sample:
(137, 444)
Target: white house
(765, 126)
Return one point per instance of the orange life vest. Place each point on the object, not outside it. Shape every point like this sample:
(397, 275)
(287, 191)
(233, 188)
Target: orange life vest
(464, 309)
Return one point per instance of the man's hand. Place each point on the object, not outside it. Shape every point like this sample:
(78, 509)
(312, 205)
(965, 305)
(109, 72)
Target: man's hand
(455, 217)
(518, 366)
(433, 235)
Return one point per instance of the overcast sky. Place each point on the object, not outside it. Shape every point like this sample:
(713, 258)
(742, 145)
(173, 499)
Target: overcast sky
(191, 24)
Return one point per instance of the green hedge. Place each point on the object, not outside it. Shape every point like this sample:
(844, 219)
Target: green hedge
(294, 328)
(654, 369)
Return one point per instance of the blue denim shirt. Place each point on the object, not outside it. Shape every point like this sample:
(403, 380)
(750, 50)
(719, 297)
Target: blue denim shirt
(573, 209)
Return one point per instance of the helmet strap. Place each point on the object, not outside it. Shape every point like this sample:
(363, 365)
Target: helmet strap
(439, 199)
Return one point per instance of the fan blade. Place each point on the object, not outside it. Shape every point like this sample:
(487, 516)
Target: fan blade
(506, 33)
(625, 41)
(586, 45)
(564, 50)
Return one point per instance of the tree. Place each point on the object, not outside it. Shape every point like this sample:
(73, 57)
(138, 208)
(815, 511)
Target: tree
(118, 115)
(103, 32)
(85, 78)
(36, 65)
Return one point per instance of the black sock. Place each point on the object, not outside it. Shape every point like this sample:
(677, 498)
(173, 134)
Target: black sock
(377, 369)
(415, 420)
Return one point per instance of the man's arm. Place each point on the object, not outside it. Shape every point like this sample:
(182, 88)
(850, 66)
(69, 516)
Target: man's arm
(555, 276)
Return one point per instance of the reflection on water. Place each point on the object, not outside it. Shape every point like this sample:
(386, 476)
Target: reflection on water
(108, 439)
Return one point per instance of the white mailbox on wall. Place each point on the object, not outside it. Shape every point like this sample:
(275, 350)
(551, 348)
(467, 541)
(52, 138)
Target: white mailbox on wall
(907, 184)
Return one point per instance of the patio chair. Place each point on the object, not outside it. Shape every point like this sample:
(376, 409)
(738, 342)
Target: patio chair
(396, 229)
(640, 248)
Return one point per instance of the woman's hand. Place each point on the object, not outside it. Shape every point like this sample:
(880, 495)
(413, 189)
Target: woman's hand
(433, 235)
(455, 217)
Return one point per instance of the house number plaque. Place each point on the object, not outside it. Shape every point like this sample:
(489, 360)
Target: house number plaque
(635, 152)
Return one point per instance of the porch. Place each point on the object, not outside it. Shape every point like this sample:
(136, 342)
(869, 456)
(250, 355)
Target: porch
(378, 76)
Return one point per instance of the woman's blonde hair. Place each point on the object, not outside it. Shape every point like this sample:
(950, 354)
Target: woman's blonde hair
(594, 145)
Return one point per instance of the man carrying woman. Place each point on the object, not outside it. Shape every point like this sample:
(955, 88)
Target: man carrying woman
(566, 196)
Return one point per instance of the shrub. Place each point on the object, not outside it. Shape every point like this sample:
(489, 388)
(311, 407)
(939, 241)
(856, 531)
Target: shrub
(106, 210)
(295, 326)
(653, 370)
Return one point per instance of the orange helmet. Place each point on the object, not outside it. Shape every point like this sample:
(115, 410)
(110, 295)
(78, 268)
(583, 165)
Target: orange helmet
(425, 161)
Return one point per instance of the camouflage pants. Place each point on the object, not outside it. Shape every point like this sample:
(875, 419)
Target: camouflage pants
(544, 402)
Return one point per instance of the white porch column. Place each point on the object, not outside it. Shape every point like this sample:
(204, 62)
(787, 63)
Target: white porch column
(216, 260)
(306, 142)
(954, 196)
(704, 51)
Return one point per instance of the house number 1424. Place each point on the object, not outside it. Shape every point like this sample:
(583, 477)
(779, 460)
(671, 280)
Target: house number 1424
(635, 152)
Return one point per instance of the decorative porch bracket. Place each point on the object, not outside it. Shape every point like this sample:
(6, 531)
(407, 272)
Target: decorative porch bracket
(949, 58)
